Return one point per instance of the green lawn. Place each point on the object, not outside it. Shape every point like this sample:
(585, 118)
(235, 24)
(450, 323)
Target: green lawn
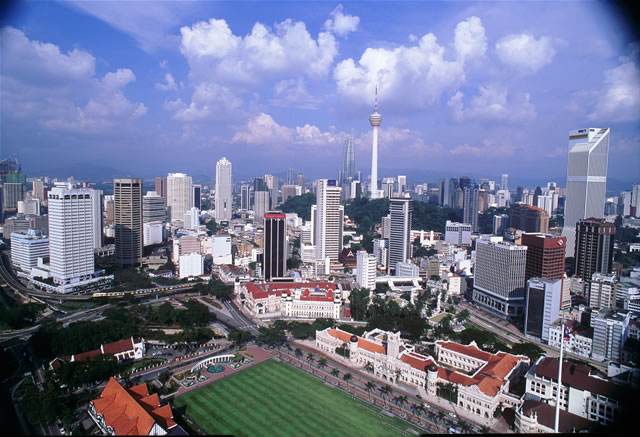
(275, 399)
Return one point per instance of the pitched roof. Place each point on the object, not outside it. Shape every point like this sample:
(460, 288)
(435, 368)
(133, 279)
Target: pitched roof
(264, 290)
(118, 346)
(362, 343)
(546, 416)
(340, 334)
(133, 411)
(415, 360)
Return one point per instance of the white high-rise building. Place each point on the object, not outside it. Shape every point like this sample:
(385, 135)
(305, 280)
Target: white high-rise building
(71, 233)
(499, 276)
(504, 182)
(458, 233)
(635, 198)
(375, 119)
(153, 208)
(192, 218)
(586, 179)
(97, 218)
(223, 190)
(179, 195)
(401, 211)
(329, 220)
(191, 264)
(366, 270)
(260, 206)
(381, 252)
(26, 247)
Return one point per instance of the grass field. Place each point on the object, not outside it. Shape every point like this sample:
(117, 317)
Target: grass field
(275, 399)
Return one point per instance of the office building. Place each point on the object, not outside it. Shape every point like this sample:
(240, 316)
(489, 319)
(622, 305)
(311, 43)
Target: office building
(29, 206)
(127, 201)
(192, 218)
(545, 256)
(500, 223)
(610, 331)
(499, 272)
(593, 247)
(271, 183)
(191, 264)
(290, 180)
(260, 206)
(152, 233)
(153, 208)
(348, 162)
(223, 190)
(529, 219)
(71, 233)
(602, 291)
(356, 189)
(402, 184)
(504, 182)
(375, 119)
(366, 270)
(275, 245)
(401, 213)
(381, 252)
(470, 208)
(586, 178)
(300, 181)
(329, 220)
(27, 247)
(97, 200)
(458, 233)
(12, 193)
(290, 191)
(245, 197)
(197, 196)
(542, 307)
(161, 188)
(635, 199)
(259, 185)
(179, 195)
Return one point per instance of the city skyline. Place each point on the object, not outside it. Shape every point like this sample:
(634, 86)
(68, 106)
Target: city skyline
(476, 106)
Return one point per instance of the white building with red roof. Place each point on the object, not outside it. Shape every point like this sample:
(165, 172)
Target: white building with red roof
(133, 411)
(482, 379)
(129, 348)
(306, 300)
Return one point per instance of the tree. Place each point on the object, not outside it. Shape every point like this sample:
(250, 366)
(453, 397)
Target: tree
(301, 205)
(397, 373)
(368, 367)
(463, 315)
(370, 386)
(531, 350)
(335, 372)
(164, 377)
(298, 352)
(322, 362)
(239, 337)
(347, 377)
(463, 425)
(309, 358)
(498, 411)
(441, 415)
(212, 227)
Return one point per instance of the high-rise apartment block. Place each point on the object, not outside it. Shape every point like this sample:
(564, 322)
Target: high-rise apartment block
(275, 245)
(610, 331)
(179, 195)
(401, 213)
(593, 247)
(71, 234)
(586, 178)
(127, 200)
(223, 190)
(328, 225)
(499, 272)
(529, 219)
(602, 291)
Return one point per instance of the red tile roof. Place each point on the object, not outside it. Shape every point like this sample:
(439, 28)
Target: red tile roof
(264, 290)
(415, 360)
(133, 411)
(340, 335)
(118, 346)
(84, 356)
(309, 294)
(371, 346)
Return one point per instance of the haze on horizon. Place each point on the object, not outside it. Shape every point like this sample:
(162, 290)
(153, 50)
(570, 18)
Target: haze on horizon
(464, 87)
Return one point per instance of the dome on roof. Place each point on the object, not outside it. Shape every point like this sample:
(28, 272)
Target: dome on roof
(432, 367)
(354, 338)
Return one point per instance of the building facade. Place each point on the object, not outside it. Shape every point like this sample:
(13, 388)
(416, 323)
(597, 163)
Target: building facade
(542, 307)
(366, 270)
(127, 200)
(329, 221)
(224, 196)
(179, 195)
(27, 247)
(593, 247)
(275, 245)
(458, 233)
(401, 213)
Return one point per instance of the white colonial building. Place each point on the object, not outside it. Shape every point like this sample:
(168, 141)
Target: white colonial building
(481, 388)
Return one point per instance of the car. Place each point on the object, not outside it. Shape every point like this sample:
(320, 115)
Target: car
(453, 430)
(419, 397)
(454, 415)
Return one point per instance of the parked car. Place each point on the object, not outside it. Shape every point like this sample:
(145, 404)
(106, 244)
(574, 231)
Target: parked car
(454, 415)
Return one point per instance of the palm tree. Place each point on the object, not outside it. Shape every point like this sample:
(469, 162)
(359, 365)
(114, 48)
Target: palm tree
(368, 367)
(464, 426)
(420, 408)
(370, 386)
(398, 372)
(403, 400)
(484, 429)
(441, 415)
(347, 376)
(322, 362)
(309, 358)
(298, 352)
(335, 372)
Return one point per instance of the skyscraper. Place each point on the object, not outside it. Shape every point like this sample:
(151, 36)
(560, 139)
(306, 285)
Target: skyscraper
(375, 119)
(586, 178)
(470, 209)
(161, 188)
(401, 212)
(545, 255)
(443, 187)
(504, 182)
(96, 200)
(499, 272)
(366, 270)
(290, 180)
(260, 206)
(223, 190)
(197, 192)
(402, 184)
(71, 233)
(127, 198)
(328, 224)
(542, 306)
(153, 208)
(275, 245)
(179, 195)
(300, 181)
(594, 247)
(348, 162)
(245, 197)
(530, 219)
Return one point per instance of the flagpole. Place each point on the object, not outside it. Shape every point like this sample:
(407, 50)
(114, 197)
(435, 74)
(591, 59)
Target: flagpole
(559, 378)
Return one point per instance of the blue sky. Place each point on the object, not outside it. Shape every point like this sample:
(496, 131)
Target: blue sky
(464, 87)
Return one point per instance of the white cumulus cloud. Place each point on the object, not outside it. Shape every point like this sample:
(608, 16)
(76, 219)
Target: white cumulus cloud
(493, 102)
(619, 99)
(169, 85)
(341, 24)
(524, 52)
(470, 40)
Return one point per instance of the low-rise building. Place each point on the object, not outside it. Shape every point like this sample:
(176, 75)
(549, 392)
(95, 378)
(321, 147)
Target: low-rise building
(133, 411)
(27, 247)
(580, 338)
(127, 349)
